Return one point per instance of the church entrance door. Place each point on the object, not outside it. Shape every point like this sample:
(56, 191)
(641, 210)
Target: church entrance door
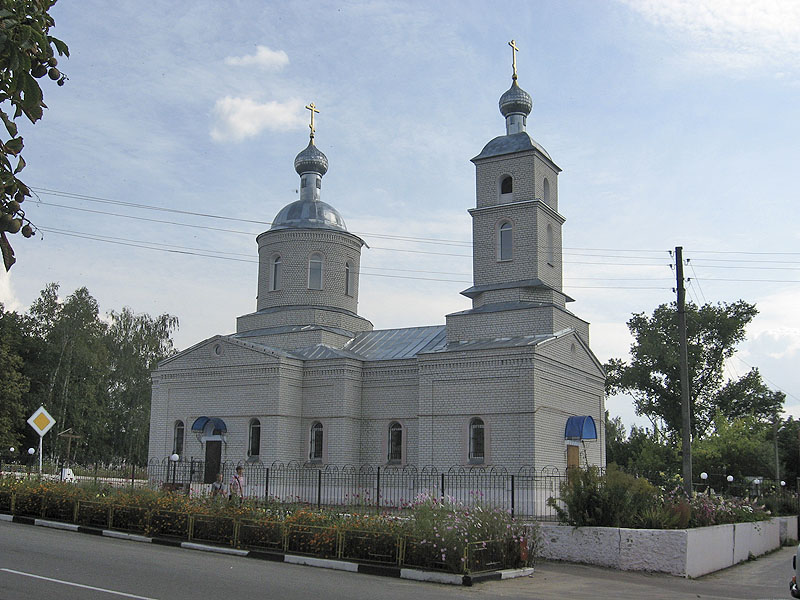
(213, 461)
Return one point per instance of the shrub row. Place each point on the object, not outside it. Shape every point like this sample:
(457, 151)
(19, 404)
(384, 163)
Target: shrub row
(434, 533)
(617, 499)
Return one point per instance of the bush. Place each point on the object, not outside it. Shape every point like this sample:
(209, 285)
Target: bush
(614, 499)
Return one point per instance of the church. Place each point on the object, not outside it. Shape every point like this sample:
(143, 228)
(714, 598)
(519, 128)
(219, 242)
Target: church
(508, 383)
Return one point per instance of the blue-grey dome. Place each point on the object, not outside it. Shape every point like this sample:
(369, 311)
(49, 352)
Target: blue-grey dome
(515, 101)
(308, 214)
(311, 160)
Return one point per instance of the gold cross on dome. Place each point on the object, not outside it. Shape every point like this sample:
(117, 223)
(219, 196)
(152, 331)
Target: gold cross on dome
(514, 51)
(312, 107)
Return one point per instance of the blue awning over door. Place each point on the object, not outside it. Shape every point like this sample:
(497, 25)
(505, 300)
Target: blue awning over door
(580, 428)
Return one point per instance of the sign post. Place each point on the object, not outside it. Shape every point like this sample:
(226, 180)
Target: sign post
(41, 421)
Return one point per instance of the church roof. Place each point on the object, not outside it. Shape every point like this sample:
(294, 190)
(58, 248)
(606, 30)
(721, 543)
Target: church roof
(507, 144)
(382, 344)
(308, 214)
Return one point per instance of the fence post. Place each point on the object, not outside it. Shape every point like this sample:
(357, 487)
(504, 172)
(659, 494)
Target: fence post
(442, 487)
(378, 490)
(133, 475)
(95, 473)
(266, 487)
(319, 488)
(512, 496)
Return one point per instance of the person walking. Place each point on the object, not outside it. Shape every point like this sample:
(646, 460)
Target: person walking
(237, 485)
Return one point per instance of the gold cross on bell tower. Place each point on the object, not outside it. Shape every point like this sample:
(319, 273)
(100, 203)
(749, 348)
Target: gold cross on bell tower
(312, 107)
(514, 51)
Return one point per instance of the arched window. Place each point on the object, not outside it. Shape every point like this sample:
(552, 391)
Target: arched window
(348, 279)
(254, 439)
(506, 185)
(315, 271)
(551, 251)
(546, 192)
(476, 441)
(504, 241)
(395, 454)
(275, 274)
(177, 438)
(316, 442)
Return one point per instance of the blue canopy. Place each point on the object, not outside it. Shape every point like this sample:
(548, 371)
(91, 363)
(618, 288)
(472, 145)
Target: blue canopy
(200, 425)
(580, 428)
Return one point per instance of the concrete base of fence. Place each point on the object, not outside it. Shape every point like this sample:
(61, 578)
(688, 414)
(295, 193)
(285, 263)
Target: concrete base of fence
(683, 552)
(341, 565)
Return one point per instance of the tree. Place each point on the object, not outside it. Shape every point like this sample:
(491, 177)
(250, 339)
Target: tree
(136, 343)
(27, 52)
(740, 447)
(14, 386)
(653, 375)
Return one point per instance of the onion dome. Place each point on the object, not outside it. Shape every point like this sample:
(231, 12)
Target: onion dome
(516, 101)
(311, 160)
(308, 214)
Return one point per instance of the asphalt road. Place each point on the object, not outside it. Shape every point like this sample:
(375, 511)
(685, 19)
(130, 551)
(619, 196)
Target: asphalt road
(40, 563)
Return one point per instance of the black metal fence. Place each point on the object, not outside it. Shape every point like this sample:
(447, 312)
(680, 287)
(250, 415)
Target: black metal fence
(523, 494)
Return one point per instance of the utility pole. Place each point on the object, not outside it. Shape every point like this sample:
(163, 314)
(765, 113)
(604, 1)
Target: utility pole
(686, 415)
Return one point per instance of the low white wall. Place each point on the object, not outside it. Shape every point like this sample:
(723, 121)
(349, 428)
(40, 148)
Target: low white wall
(788, 527)
(684, 552)
(708, 549)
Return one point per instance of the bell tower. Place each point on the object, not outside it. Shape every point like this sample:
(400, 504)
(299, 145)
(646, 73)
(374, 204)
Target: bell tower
(516, 235)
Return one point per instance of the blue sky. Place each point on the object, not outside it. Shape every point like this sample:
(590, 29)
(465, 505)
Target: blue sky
(676, 123)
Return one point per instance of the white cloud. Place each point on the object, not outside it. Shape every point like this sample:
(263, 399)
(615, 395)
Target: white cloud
(735, 35)
(239, 118)
(264, 58)
(8, 298)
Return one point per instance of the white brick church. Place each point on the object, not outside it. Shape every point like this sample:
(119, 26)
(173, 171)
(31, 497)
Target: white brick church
(509, 383)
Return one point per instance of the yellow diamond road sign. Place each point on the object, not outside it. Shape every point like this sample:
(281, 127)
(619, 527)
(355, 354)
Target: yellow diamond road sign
(41, 421)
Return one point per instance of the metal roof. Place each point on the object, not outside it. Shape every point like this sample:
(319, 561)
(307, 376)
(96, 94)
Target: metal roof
(506, 144)
(392, 344)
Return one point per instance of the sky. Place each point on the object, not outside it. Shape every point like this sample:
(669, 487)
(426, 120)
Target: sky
(676, 123)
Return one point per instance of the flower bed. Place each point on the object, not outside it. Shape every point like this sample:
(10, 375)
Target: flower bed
(431, 533)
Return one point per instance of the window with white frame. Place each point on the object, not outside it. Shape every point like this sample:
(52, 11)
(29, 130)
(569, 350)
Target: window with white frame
(275, 273)
(315, 453)
(505, 241)
(254, 438)
(315, 271)
(477, 451)
(395, 450)
(177, 438)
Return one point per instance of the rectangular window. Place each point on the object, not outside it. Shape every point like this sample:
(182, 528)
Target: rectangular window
(395, 443)
(255, 439)
(315, 272)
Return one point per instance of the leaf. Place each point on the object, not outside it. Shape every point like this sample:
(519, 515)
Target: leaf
(60, 46)
(10, 125)
(14, 146)
(8, 252)
(20, 165)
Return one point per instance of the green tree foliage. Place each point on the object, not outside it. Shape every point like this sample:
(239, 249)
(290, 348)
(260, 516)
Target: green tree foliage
(740, 447)
(27, 52)
(135, 345)
(652, 376)
(91, 374)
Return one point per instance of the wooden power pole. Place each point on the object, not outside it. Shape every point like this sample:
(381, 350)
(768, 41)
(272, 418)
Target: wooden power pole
(686, 413)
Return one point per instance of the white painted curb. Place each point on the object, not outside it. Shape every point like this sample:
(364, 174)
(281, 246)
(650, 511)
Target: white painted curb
(417, 575)
(321, 562)
(120, 535)
(512, 573)
(55, 525)
(217, 549)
